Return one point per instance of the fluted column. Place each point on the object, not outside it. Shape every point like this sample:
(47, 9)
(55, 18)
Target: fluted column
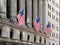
(35, 9)
(22, 5)
(13, 9)
(3, 8)
(29, 13)
(41, 12)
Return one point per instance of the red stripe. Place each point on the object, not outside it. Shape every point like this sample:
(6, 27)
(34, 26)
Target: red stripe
(47, 30)
(21, 20)
(36, 26)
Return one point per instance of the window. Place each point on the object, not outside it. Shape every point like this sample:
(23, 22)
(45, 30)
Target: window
(56, 35)
(34, 38)
(53, 16)
(49, 6)
(53, 26)
(53, 44)
(49, 23)
(49, 14)
(56, 12)
(49, 43)
(40, 39)
(53, 1)
(56, 5)
(53, 34)
(44, 40)
(11, 33)
(21, 34)
(56, 19)
(53, 10)
(28, 37)
(57, 28)
(49, 0)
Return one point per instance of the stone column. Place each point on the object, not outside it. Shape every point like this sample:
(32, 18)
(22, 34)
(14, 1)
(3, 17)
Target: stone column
(13, 10)
(41, 13)
(3, 8)
(37, 39)
(29, 13)
(35, 9)
(22, 5)
(47, 41)
(42, 40)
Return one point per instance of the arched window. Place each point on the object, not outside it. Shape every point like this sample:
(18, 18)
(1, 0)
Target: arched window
(34, 38)
(21, 34)
(53, 44)
(44, 40)
(28, 37)
(11, 33)
(40, 40)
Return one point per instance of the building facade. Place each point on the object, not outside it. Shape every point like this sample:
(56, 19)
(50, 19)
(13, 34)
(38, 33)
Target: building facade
(52, 16)
(59, 22)
(11, 34)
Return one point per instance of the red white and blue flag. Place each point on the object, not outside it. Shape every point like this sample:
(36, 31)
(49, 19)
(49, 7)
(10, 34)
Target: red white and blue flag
(37, 24)
(21, 18)
(47, 29)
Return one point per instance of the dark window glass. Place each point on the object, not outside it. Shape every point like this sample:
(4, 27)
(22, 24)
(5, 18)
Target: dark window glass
(40, 40)
(53, 44)
(34, 38)
(21, 34)
(11, 33)
(28, 37)
(44, 40)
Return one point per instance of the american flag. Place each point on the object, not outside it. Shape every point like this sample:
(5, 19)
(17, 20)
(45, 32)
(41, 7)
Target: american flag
(21, 18)
(47, 29)
(37, 25)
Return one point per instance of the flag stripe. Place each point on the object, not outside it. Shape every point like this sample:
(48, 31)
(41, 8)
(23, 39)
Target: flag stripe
(36, 26)
(21, 18)
(47, 30)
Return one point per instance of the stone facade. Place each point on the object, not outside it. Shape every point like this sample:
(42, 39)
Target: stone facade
(11, 34)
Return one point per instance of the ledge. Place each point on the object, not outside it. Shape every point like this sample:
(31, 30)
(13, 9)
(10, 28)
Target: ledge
(23, 28)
